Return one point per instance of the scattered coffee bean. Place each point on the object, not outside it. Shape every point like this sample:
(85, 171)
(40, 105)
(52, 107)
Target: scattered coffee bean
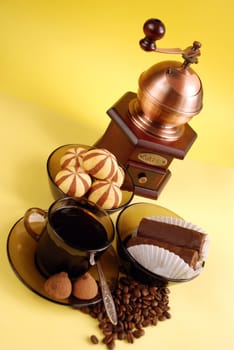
(111, 345)
(138, 333)
(94, 339)
(108, 339)
(121, 335)
(138, 306)
(130, 337)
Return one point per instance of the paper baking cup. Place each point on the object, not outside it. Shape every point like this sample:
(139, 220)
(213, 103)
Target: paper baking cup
(162, 262)
(165, 263)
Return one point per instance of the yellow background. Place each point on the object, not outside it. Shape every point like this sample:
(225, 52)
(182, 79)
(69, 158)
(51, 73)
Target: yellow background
(62, 65)
(78, 57)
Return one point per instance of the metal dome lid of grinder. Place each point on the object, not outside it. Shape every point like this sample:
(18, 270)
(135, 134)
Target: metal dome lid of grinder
(170, 92)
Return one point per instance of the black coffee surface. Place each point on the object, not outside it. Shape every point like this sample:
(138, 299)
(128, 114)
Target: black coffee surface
(78, 228)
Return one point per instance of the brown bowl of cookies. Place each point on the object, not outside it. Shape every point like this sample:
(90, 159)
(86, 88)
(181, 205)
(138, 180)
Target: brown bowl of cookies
(77, 171)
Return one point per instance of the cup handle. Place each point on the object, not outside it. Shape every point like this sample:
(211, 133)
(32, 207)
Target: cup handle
(35, 220)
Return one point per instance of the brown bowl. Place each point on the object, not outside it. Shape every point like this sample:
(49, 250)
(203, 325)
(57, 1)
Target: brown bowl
(127, 222)
(53, 166)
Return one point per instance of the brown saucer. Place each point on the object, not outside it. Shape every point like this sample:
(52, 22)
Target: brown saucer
(21, 249)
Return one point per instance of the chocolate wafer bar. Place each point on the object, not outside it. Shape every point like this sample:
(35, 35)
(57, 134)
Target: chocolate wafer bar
(172, 234)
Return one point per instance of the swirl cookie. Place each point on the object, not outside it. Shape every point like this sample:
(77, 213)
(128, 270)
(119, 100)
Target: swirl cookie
(105, 193)
(73, 181)
(100, 164)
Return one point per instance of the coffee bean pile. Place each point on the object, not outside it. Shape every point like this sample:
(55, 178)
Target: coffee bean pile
(137, 305)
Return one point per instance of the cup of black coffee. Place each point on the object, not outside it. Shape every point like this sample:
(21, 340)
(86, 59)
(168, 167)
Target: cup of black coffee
(74, 233)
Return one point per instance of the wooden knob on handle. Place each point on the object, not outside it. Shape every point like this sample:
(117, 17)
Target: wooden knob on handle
(154, 30)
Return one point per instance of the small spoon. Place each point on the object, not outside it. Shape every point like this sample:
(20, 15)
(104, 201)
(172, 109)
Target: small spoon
(106, 293)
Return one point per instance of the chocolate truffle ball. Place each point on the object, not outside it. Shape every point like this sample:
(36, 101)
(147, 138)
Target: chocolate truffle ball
(85, 287)
(58, 286)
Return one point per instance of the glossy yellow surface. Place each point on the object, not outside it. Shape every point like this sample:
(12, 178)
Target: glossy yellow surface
(202, 311)
(66, 62)
(77, 58)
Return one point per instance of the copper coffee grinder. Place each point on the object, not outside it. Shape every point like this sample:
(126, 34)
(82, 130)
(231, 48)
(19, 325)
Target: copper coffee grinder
(150, 128)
